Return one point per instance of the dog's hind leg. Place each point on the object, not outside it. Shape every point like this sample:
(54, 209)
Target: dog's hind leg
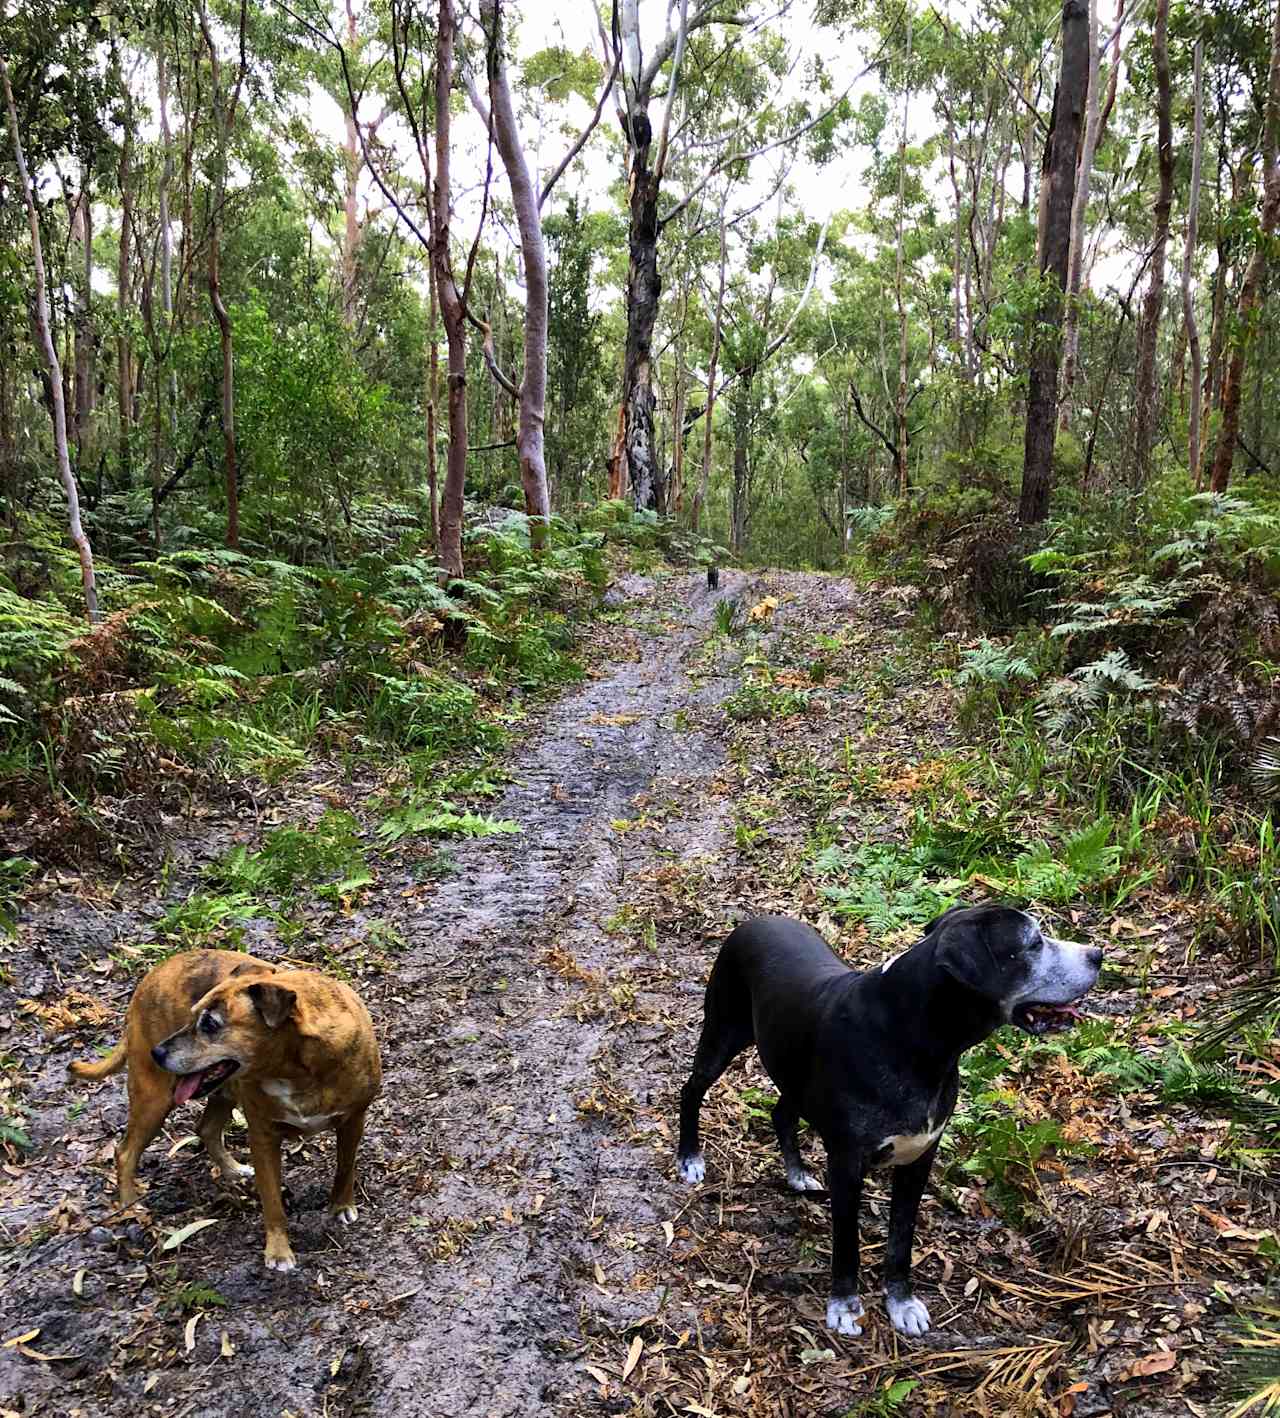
(342, 1199)
(785, 1118)
(844, 1180)
(150, 1099)
(214, 1119)
(726, 1031)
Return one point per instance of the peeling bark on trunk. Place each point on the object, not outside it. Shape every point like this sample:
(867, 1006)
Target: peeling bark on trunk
(1254, 277)
(1055, 248)
(52, 363)
(617, 464)
(1145, 390)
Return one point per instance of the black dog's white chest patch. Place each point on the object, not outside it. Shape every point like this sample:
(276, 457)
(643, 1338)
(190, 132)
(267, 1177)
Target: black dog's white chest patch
(900, 1148)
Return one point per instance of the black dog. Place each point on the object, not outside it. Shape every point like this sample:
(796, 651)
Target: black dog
(870, 1060)
(713, 578)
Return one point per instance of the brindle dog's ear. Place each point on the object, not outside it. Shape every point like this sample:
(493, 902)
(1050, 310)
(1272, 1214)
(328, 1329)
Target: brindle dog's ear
(273, 1003)
(246, 965)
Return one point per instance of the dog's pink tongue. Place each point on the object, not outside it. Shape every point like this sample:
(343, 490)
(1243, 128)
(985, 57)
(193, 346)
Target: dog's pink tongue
(187, 1085)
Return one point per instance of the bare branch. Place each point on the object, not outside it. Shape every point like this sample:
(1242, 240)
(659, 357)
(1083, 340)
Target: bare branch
(776, 344)
(729, 158)
(702, 17)
(874, 428)
(582, 137)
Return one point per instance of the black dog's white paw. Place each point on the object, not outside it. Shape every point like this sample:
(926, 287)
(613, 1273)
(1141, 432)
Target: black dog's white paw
(802, 1181)
(909, 1316)
(692, 1169)
(843, 1314)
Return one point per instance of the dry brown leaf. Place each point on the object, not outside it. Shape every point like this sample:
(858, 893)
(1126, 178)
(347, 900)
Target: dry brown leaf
(600, 1377)
(43, 1358)
(633, 1356)
(1158, 1362)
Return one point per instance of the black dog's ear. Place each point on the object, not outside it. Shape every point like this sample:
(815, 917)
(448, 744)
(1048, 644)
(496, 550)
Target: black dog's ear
(962, 955)
(938, 920)
(273, 1003)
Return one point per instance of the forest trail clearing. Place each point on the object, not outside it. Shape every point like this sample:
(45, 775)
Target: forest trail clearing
(523, 1243)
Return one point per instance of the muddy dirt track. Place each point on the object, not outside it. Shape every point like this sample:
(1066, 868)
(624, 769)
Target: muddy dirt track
(483, 1179)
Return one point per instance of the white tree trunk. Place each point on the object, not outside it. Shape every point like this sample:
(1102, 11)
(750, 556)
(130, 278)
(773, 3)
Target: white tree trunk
(524, 199)
(51, 359)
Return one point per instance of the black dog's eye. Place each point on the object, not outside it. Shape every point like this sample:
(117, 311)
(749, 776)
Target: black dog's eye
(209, 1023)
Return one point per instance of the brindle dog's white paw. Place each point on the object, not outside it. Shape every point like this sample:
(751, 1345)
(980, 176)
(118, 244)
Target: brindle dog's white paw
(802, 1181)
(345, 1214)
(693, 1169)
(909, 1316)
(238, 1172)
(282, 1260)
(843, 1314)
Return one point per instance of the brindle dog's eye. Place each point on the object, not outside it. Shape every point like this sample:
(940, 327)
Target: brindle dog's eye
(209, 1023)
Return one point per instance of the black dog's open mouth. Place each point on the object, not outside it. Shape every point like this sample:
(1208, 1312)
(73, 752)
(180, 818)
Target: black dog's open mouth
(201, 1084)
(1046, 1018)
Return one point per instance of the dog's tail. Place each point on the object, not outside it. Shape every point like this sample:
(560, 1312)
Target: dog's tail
(101, 1068)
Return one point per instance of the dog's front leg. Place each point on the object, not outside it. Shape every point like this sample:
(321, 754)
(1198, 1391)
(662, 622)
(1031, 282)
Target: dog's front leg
(909, 1315)
(217, 1114)
(264, 1147)
(844, 1181)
